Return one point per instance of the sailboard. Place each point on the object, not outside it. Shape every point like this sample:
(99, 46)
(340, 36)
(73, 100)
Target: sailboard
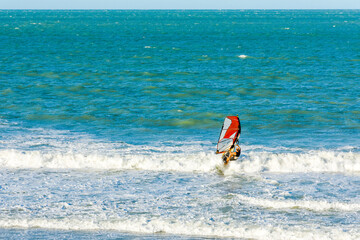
(230, 132)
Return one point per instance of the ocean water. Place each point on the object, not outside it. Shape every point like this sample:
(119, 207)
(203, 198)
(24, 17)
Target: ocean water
(109, 122)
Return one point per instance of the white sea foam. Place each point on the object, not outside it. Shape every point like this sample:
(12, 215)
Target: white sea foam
(312, 205)
(311, 161)
(183, 159)
(190, 228)
(201, 162)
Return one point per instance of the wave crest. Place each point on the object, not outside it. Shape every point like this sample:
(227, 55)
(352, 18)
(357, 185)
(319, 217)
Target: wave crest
(312, 205)
(191, 228)
(182, 161)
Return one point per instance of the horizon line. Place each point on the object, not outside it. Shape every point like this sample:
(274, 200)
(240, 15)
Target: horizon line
(207, 9)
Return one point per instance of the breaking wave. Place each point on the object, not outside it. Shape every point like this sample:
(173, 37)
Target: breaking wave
(191, 228)
(183, 159)
(312, 205)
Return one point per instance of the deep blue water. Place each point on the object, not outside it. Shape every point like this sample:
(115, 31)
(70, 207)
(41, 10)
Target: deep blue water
(134, 101)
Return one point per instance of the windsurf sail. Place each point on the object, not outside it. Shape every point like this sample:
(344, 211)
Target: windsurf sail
(229, 134)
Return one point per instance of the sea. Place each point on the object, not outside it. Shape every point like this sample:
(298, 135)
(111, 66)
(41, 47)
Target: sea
(109, 121)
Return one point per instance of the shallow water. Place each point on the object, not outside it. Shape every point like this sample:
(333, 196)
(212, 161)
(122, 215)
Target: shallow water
(109, 122)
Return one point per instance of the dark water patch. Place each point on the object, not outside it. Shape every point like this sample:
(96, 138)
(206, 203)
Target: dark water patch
(53, 75)
(154, 80)
(182, 73)
(7, 91)
(180, 122)
(47, 117)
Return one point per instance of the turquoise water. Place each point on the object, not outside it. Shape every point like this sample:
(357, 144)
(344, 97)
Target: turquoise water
(137, 99)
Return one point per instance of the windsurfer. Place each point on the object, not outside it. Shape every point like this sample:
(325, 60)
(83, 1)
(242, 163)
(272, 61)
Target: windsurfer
(232, 154)
(228, 141)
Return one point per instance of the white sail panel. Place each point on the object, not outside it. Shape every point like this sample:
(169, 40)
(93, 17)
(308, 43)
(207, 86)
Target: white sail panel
(226, 125)
(224, 144)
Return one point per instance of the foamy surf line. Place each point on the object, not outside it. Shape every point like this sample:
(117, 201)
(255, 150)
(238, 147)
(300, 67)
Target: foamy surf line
(182, 161)
(189, 228)
(312, 205)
